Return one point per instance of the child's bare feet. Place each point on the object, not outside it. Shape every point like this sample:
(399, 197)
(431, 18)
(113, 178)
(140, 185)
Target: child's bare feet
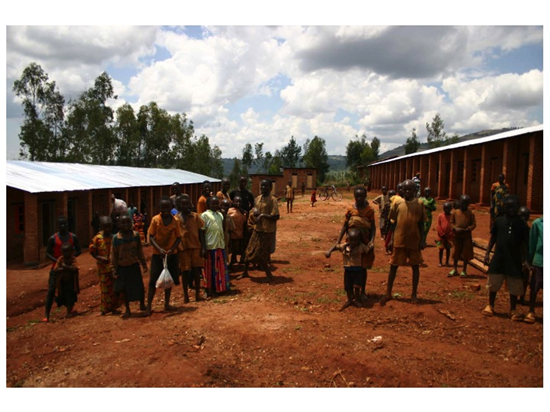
(414, 299)
(385, 298)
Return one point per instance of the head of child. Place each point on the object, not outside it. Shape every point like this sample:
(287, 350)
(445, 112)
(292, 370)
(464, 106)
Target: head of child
(176, 188)
(125, 223)
(501, 179)
(399, 189)
(213, 203)
(391, 193)
(62, 224)
(464, 202)
(456, 204)
(224, 206)
(237, 202)
(226, 184)
(243, 182)
(384, 190)
(183, 204)
(511, 206)
(409, 189)
(206, 188)
(67, 250)
(360, 196)
(290, 183)
(524, 213)
(354, 237)
(427, 192)
(165, 206)
(106, 224)
(447, 208)
(265, 187)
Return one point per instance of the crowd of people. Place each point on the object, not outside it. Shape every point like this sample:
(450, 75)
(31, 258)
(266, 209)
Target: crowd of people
(200, 245)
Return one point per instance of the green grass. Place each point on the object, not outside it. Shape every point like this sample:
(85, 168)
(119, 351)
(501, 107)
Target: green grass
(461, 295)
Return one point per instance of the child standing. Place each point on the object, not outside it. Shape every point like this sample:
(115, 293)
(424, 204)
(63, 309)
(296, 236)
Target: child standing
(66, 271)
(382, 200)
(228, 225)
(165, 236)
(313, 197)
(289, 194)
(100, 250)
(239, 216)
(353, 253)
(216, 276)
(430, 205)
(510, 235)
(191, 254)
(126, 255)
(535, 259)
(201, 203)
(444, 233)
(463, 221)
(409, 215)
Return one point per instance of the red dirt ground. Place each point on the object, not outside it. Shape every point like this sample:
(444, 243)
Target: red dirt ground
(289, 333)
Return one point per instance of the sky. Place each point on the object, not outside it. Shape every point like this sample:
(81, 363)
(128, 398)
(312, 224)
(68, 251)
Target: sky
(266, 83)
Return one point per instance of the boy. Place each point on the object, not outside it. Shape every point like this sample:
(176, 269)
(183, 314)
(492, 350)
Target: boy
(361, 216)
(430, 205)
(264, 223)
(191, 253)
(382, 200)
(246, 196)
(206, 191)
(535, 259)
(239, 216)
(223, 194)
(353, 252)
(463, 221)
(126, 255)
(165, 236)
(313, 198)
(53, 252)
(409, 216)
(510, 234)
(444, 233)
(66, 271)
(289, 194)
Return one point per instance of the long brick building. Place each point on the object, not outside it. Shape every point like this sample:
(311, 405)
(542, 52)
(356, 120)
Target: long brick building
(472, 166)
(38, 192)
(297, 175)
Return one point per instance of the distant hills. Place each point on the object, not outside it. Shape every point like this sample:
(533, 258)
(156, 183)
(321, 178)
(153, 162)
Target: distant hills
(338, 162)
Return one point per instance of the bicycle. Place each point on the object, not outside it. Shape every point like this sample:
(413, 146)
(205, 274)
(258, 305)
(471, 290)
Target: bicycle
(330, 191)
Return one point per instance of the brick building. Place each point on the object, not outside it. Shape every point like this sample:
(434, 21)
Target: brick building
(38, 192)
(472, 166)
(297, 175)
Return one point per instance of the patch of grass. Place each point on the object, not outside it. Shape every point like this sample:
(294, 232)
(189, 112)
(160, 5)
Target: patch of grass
(326, 299)
(340, 292)
(11, 329)
(220, 301)
(378, 269)
(459, 294)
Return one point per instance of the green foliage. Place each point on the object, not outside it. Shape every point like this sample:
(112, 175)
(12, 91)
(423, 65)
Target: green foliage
(236, 173)
(290, 154)
(359, 152)
(436, 132)
(315, 156)
(247, 159)
(412, 144)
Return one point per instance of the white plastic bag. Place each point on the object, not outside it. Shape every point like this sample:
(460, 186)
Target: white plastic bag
(119, 206)
(165, 280)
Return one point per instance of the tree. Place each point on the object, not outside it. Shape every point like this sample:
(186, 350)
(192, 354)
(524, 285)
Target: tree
(247, 159)
(436, 132)
(128, 151)
(182, 142)
(259, 154)
(156, 135)
(290, 154)
(236, 173)
(375, 146)
(315, 156)
(43, 108)
(412, 144)
(276, 163)
(360, 153)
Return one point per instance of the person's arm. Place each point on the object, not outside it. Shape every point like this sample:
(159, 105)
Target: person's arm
(533, 240)
(114, 257)
(93, 252)
(333, 248)
(49, 249)
(492, 241)
(141, 255)
(155, 245)
(472, 222)
(77, 248)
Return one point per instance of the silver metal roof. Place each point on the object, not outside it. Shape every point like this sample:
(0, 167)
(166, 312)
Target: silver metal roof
(505, 135)
(39, 177)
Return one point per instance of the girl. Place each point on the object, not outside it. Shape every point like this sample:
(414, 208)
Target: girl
(216, 275)
(66, 270)
(239, 216)
(444, 233)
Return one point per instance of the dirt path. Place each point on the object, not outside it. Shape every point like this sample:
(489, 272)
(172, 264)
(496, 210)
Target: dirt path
(285, 334)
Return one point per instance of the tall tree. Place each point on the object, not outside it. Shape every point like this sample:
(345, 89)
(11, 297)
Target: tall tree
(156, 131)
(43, 108)
(315, 155)
(412, 144)
(247, 159)
(375, 146)
(236, 173)
(126, 130)
(259, 154)
(276, 163)
(182, 142)
(290, 154)
(436, 132)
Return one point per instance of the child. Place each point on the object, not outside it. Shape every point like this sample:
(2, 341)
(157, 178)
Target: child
(313, 197)
(264, 223)
(387, 230)
(463, 221)
(126, 255)
(382, 200)
(535, 259)
(100, 250)
(223, 194)
(206, 191)
(361, 216)
(239, 216)
(409, 215)
(191, 255)
(216, 276)
(53, 252)
(444, 233)
(66, 271)
(430, 205)
(228, 224)
(353, 252)
(289, 194)
(524, 213)
(510, 235)
(165, 236)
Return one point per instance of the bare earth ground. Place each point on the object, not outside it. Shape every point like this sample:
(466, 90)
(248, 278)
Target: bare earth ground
(289, 333)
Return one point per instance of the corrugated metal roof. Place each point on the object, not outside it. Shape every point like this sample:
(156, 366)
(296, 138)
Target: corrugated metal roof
(39, 177)
(466, 143)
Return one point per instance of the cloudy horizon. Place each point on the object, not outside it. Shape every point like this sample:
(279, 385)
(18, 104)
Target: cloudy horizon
(243, 84)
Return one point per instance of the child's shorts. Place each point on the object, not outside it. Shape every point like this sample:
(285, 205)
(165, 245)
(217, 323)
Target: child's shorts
(403, 256)
(464, 248)
(495, 281)
(157, 265)
(189, 259)
(353, 276)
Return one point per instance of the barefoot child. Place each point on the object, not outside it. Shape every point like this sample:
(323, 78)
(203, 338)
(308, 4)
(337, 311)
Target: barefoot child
(126, 255)
(66, 271)
(463, 221)
(100, 250)
(409, 215)
(313, 198)
(216, 276)
(289, 195)
(510, 235)
(353, 252)
(444, 233)
(165, 236)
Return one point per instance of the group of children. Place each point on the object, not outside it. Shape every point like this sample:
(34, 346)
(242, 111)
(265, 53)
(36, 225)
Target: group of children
(193, 245)
(405, 221)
